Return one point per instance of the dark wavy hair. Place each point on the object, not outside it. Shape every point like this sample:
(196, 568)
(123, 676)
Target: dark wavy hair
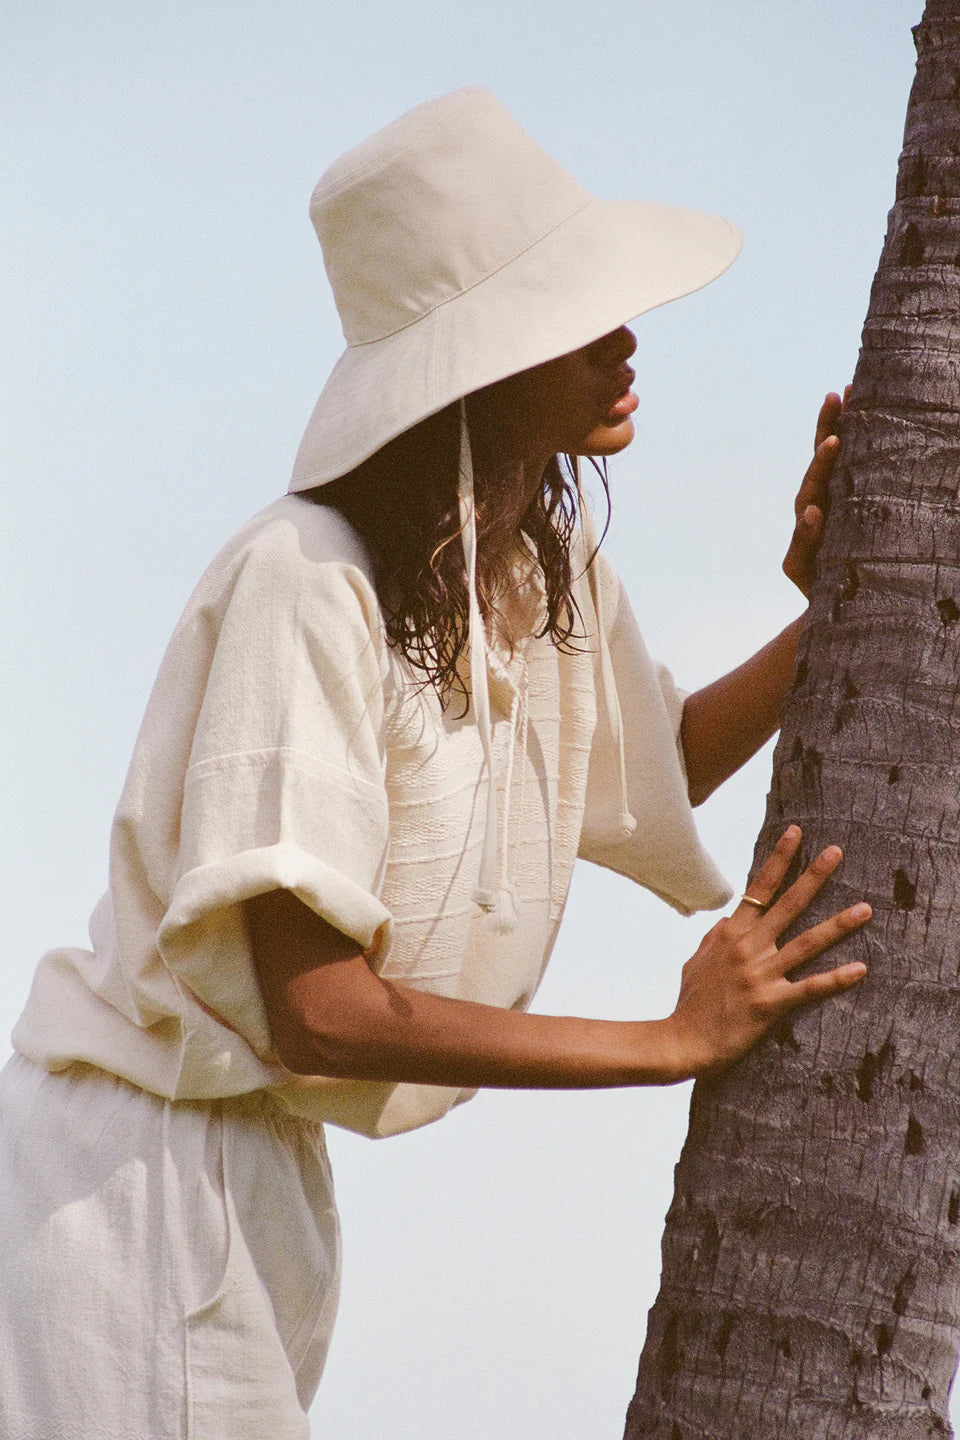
(403, 502)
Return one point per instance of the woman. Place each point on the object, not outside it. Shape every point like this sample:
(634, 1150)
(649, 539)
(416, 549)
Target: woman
(399, 704)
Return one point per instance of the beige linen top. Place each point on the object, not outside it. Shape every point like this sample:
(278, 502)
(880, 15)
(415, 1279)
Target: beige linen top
(285, 745)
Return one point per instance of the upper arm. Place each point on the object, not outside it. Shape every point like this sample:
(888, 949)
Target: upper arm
(307, 970)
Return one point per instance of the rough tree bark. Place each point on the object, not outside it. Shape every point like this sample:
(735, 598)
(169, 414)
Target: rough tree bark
(811, 1258)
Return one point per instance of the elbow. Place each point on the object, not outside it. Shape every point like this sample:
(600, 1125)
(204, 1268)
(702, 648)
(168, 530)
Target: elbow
(697, 792)
(699, 786)
(701, 783)
(298, 1049)
(306, 1049)
(302, 1056)
(344, 1037)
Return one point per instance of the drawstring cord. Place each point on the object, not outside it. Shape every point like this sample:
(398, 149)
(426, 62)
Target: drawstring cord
(493, 892)
(521, 738)
(485, 894)
(508, 910)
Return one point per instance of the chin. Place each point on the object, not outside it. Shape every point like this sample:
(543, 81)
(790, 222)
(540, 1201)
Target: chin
(607, 439)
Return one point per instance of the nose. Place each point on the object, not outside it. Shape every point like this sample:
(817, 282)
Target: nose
(616, 347)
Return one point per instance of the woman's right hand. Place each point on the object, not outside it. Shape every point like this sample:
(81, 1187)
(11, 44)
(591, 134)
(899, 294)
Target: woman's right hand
(735, 987)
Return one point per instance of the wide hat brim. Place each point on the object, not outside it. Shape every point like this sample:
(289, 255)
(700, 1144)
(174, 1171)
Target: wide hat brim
(603, 266)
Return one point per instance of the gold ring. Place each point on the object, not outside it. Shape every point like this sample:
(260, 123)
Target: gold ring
(749, 900)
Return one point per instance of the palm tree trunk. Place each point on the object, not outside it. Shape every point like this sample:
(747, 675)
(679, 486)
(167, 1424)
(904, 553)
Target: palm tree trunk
(811, 1258)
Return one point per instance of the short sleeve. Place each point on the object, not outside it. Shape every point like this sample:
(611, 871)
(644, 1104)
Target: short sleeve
(664, 853)
(285, 782)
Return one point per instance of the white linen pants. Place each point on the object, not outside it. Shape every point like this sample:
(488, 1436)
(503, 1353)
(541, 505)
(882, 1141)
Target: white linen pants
(169, 1270)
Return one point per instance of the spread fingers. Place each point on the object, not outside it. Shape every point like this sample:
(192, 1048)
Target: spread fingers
(795, 900)
(813, 942)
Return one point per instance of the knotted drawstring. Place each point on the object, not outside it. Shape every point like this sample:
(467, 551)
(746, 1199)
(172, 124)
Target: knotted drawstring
(611, 699)
(485, 895)
(494, 892)
(508, 907)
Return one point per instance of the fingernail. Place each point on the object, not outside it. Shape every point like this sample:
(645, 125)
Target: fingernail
(832, 852)
(791, 832)
(862, 911)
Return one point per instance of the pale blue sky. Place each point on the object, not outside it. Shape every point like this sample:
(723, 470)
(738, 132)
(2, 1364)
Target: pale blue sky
(168, 327)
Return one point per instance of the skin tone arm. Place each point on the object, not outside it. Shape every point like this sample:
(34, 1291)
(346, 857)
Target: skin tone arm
(329, 1014)
(727, 722)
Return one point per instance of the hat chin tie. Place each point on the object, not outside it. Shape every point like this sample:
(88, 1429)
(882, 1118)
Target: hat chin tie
(486, 893)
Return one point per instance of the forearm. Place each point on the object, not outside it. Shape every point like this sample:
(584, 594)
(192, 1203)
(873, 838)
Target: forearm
(329, 1014)
(390, 1032)
(727, 722)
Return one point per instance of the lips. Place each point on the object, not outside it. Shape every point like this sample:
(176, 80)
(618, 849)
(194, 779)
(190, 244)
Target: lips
(622, 407)
(622, 401)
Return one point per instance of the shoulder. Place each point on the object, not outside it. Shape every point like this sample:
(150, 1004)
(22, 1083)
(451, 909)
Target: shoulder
(296, 531)
(293, 555)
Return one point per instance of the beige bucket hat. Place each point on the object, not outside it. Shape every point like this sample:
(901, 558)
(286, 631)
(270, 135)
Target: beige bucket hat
(460, 252)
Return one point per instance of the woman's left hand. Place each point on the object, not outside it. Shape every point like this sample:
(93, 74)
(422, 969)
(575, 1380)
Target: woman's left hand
(810, 506)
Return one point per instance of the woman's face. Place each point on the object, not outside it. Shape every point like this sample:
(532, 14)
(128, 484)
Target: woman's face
(578, 404)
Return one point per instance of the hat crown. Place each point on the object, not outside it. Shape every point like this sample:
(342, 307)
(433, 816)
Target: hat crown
(430, 206)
